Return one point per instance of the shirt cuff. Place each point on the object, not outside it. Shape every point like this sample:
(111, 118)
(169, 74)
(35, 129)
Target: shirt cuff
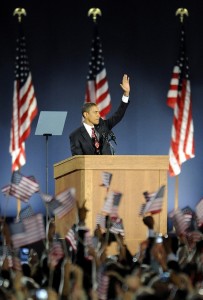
(125, 99)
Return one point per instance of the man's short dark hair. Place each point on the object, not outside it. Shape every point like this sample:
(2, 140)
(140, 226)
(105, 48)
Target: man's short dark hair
(86, 107)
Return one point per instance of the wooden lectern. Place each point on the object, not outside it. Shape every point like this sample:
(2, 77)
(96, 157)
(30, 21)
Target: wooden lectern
(132, 175)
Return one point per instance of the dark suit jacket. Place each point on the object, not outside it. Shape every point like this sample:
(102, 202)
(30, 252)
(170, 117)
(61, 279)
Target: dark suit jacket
(81, 143)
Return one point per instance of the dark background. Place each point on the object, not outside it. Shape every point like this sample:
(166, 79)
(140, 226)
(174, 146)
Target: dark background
(139, 38)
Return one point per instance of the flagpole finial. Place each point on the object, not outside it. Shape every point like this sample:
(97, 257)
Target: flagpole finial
(19, 12)
(182, 12)
(94, 12)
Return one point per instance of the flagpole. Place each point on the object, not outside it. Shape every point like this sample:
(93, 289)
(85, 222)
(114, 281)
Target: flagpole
(19, 12)
(18, 207)
(176, 193)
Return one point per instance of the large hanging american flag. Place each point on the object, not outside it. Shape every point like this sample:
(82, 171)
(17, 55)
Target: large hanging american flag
(179, 99)
(97, 89)
(24, 104)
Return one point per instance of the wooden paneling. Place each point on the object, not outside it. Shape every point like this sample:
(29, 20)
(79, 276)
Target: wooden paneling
(132, 175)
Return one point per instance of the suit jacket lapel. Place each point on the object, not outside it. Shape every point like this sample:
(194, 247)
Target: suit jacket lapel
(87, 137)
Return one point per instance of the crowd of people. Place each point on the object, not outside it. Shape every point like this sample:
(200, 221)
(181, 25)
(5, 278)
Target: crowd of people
(166, 267)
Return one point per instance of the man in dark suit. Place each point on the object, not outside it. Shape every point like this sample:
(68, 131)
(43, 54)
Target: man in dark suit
(94, 136)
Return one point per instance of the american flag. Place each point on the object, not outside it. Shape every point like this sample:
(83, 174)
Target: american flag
(179, 99)
(148, 196)
(33, 231)
(97, 89)
(111, 203)
(17, 228)
(53, 205)
(117, 227)
(24, 105)
(88, 243)
(46, 197)
(106, 179)
(141, 210)
(189, 216)
(50, 202)
(66, 201)
(26, 212)
(21, 186)
(71, 238)
(180, 223)
(116, 202)
(103, 285)
(101, 220)
(154, 202)
(108, 204)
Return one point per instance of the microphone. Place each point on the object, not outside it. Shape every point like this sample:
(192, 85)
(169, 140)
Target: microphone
(112, 137)
(109, 136)
(105, 136)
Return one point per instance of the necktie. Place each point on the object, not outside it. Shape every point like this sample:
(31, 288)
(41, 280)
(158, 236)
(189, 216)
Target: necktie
(95, 141)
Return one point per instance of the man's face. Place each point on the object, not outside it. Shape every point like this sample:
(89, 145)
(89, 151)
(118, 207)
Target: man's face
(92, 117)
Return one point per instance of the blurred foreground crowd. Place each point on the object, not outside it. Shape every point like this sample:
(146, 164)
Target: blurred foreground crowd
(78, 267)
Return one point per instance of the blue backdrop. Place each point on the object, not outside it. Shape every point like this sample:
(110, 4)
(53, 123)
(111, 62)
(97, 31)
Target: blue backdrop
(139, 38)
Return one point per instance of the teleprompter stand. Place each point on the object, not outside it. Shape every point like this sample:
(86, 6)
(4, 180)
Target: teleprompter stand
(50, 123)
